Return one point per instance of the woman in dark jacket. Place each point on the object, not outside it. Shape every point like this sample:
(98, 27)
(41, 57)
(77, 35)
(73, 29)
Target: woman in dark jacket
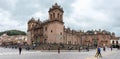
(20, 49)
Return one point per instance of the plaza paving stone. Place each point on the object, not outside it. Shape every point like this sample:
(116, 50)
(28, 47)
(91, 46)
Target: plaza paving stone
(6, 53)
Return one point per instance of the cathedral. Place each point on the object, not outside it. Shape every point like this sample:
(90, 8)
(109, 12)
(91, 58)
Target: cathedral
(53, 31)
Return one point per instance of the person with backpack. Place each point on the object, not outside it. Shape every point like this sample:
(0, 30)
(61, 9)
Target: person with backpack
(99, 52)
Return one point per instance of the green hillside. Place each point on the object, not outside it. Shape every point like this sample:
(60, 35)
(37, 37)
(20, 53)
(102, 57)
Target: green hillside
(13, 32)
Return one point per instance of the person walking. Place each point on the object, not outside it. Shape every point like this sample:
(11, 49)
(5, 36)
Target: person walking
(48, 48)
(20, 49)
(58, 49)
(96, 55)
(111, 48)
(104, 49)
(87, 48)
(79, 49)
(98, 52)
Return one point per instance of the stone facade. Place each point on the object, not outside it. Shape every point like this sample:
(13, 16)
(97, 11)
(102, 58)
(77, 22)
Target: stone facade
(49, 31)
(54, 31)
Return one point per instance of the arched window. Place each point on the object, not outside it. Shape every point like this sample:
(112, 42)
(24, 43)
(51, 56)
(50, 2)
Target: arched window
(53, 15)
(51, 31)
(60, 33)
(45, 28)
(58, 16)
(50, 16)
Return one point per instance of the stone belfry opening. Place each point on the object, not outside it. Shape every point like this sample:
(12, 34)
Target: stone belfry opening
(56, 13)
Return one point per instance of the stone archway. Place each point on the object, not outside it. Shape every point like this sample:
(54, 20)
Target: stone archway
(117, 45)
(113, 42)
(117, 42)
(95, 43)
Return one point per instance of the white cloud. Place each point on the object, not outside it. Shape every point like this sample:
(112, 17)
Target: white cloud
(8, 4)
(5, 18)
(83, 8)
(12, 3)
(41, 15)
(78, 14)
(6, 21)
(86, 17)
(36, 5)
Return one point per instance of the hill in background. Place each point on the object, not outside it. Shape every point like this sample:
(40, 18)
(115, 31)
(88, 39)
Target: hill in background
(13, 32)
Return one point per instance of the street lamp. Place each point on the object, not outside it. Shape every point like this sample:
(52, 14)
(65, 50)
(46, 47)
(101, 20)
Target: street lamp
(81, 40)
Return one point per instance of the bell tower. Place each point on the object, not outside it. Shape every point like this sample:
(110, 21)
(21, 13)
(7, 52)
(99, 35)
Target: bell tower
(56, 13)
(55, 29)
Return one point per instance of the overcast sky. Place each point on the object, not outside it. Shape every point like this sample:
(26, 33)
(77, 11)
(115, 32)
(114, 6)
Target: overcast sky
(78, 14)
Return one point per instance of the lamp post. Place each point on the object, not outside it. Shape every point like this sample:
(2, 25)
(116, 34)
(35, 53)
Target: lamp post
(81, 41)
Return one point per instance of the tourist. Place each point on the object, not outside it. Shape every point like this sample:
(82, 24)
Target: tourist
(111, 47)
(79, 49)
(104, 49)
(48, 48)
(58, 49)
(96, 55)
(20, 49)
(87, 48)
(98, 52)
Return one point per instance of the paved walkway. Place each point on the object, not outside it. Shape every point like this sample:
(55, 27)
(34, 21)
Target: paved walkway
(6, 53)
(105, 54)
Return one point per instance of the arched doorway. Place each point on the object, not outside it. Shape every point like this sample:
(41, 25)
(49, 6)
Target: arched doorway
(45, 40)
(95, 43)
(116, 42)
(113, 44)
(117, 45)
